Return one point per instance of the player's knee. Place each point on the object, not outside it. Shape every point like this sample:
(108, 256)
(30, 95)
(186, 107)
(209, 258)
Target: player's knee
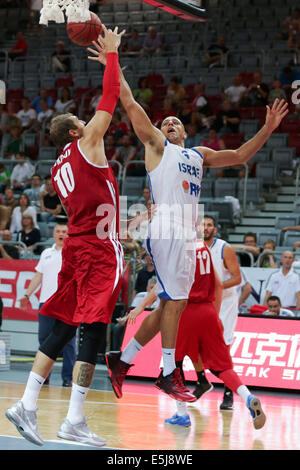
(93, 336)
(60, 335)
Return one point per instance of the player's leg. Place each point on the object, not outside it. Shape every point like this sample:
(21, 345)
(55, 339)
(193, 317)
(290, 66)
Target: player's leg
(74, 426)
(119, 362)
(203, 385)
(23, 413)
(181, 417)
(234, 383)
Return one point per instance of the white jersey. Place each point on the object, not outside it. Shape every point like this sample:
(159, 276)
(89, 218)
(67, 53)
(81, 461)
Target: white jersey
(216, 250)
(230, 300)
(175, 187)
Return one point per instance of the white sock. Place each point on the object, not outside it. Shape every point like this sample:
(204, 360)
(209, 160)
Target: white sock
(243, 392)
(78, 395)
(131, 350)
(32, 391)
(168, 360)
(181, 407)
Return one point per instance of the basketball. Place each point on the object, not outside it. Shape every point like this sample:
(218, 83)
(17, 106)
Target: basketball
(84, 33)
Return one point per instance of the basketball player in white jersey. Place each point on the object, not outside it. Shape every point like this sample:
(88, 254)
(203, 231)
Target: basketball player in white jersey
(175, 175)
(227, 266)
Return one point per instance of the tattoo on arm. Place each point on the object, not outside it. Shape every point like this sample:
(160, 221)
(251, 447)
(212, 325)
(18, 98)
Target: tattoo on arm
(85, 374)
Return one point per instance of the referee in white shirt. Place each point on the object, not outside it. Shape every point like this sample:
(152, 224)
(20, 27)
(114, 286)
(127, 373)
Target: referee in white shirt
(285, 283)
(48, 269)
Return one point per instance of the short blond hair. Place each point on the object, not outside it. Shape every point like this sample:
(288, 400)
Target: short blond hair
(59, 129)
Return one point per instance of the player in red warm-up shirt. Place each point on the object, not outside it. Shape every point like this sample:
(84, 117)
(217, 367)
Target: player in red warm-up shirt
(200, 334)
(92, 257)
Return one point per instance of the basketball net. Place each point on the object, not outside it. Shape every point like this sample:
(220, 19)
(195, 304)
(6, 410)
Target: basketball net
(55, 10)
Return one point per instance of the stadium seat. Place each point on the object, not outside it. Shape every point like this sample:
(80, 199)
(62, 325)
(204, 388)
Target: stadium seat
(43, 168)
(263, 236)
(290, 125)
(263, 155)
(294, 141)
(277, 140)
(254, 187)
(290, 237)
(225, 187)
(207, 187)
(227, 215)
(47, 153)
(133, 186)
(283, 157)
(267, 172)
(287, 221)
(233, 141)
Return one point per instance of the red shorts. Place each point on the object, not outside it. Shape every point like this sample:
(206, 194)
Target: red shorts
(200, 332)
(89, 281)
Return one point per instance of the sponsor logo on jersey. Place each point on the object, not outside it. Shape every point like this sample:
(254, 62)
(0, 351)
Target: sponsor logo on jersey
(191, 188)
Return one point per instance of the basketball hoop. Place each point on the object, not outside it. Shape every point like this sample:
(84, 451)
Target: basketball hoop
(55, 10)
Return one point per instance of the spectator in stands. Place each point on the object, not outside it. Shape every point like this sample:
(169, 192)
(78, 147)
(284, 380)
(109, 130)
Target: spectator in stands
(20, 48)
(275, 309)
(9, 199)
(290, 24)
(152, 43)
(35, 9)
(45, 115)
(167, 110)
(11, 118)
(8, 251)
(18, 212)
(216, 54)
(250, 245)
(185, 112)
(268, 260)
(29, 235)
(22, 173)
(193, 138)
(285, 283)
(143, 94)
(144, 275)
(27, 115)
(227, 120)
(257, 92)
(127, 151)
(213, 142)
(50, 203)
(287, 77)
(14, 142)
(43, 95)
(200, 103)
(65, 104)
(60, 58)
(146, 196)
(118, 127)
(4, 178)
(133, 43)
(235, 91)
(111, 151)
(294, 41)
(97, 94)
(34, 192)
(175, 91)
(3, 116)
(276, 92)
(141, 295)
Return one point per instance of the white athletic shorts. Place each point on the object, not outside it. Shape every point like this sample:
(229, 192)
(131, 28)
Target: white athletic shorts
(174, 261)
(228, 315)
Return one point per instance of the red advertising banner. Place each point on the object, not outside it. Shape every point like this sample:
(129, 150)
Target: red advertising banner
(265, 353)
(15, 276)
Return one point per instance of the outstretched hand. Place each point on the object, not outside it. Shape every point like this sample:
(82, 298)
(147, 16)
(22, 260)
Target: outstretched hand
(107, 43)
(275, 114)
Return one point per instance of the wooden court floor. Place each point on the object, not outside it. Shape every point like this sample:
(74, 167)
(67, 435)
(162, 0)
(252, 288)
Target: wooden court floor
(136, 422)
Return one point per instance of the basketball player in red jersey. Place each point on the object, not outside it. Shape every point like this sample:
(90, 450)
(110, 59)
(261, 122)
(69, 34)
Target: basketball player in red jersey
(200, 332)
(89, 281)
(178, 279)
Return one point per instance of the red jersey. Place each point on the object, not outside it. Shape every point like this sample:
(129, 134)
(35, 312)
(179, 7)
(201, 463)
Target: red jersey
(204, 286)
(89, 192)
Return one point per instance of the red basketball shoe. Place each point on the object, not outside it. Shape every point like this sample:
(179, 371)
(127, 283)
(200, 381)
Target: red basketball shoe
(173, 385)
(117, 371)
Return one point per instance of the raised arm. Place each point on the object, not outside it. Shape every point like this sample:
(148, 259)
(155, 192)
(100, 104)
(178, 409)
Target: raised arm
(98, 125)
(149, 135)
(241, 155)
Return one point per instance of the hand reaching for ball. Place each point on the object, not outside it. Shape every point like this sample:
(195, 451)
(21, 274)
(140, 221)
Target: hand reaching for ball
(107, 43)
